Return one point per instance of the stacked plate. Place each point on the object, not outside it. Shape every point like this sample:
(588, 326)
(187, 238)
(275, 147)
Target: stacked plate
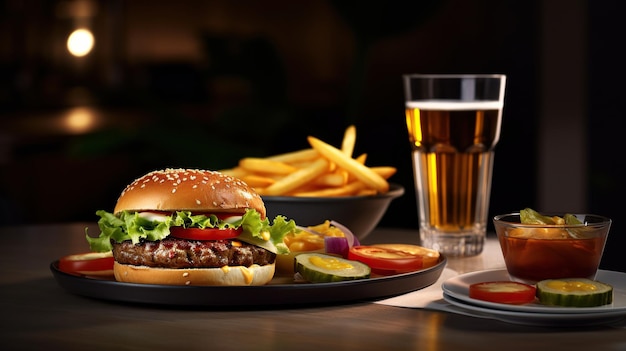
(456, 293)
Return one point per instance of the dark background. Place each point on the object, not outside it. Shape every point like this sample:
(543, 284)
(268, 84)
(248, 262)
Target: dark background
(204, 83)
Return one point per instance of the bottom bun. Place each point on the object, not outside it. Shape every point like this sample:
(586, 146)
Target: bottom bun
(225, 276)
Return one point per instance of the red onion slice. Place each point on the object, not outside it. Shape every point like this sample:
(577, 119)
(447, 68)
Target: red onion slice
(352, 239)
(336, 245)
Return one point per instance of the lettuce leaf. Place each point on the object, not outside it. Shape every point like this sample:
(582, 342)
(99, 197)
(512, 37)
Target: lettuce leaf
(132, 226)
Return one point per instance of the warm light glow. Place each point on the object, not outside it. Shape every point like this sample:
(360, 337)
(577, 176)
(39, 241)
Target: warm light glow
(80, 120)
(80, 42)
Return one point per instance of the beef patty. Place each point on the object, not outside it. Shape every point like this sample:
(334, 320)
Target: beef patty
(180, 253)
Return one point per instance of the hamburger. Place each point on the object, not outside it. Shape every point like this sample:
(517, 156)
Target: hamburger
(191, 227)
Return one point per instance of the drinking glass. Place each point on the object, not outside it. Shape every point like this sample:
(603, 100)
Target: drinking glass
(454, 125)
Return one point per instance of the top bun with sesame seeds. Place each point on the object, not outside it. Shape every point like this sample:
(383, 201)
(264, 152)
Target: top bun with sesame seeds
(189, 189)
(191, 227)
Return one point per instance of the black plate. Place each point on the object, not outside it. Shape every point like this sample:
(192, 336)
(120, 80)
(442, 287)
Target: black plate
(276, 293)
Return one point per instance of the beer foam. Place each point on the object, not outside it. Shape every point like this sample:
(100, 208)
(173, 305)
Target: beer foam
(449, 105)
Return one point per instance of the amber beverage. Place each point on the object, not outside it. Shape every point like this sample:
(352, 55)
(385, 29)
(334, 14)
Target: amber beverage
(532, 260)
(453, 139)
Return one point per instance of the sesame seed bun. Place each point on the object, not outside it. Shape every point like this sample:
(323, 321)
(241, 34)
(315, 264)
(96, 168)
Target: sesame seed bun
(189, 189)
(225, 276)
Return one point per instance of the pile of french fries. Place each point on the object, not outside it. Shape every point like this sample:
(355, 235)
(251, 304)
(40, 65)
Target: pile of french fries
(320, 171)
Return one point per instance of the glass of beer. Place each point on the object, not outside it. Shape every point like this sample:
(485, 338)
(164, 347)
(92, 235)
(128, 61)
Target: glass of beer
(454, 125)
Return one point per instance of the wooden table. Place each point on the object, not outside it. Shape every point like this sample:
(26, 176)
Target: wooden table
(38, 314)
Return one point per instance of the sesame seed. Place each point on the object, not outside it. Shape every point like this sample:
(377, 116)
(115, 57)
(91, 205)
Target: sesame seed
(186, 274)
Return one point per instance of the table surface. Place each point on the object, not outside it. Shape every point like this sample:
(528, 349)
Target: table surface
(37, 313)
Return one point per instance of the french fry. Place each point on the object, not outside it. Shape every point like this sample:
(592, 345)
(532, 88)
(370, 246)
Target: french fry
(303, 164)
(360, 159)
(343, 174)
(322, 170)
(346, 190)
(335, 179)
(349, 139)
(347, 147)
(303, 189)
(257, 181)
(366, 192)
(297, 179)
(300, 156)
(360, 171)
(384, 171)
(263, 165)
(236, 172)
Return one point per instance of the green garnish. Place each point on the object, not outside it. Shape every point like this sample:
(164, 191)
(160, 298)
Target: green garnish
(132, 226)
(530, 216)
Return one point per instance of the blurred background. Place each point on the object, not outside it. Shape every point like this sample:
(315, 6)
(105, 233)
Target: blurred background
(95, 93)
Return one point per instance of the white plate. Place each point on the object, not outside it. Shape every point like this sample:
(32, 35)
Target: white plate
(458, 288)
(618, 318)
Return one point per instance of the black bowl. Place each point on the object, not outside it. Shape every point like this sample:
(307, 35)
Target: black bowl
(360, 214)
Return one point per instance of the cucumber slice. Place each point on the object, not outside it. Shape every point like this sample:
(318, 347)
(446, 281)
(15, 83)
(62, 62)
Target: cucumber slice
(322, 268)
(574, 292)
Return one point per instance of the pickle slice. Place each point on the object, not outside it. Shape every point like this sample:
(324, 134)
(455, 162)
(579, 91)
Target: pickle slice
(574, 292)
(322, 268)
(530, 216)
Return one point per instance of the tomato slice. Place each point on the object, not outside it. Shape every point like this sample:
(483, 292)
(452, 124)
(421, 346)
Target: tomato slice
(503, 292)
(387, 259)
(205, 234)
(90, 263)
